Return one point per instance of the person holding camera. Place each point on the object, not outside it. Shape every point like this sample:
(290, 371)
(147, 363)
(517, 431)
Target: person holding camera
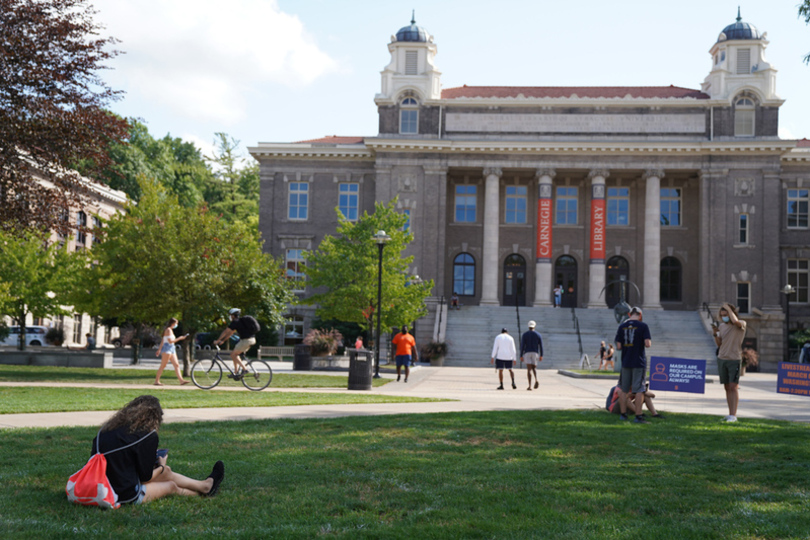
(729, 335)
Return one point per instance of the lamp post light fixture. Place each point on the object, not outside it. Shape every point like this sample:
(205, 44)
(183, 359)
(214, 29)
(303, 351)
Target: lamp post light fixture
(381, 238)
(787, 290)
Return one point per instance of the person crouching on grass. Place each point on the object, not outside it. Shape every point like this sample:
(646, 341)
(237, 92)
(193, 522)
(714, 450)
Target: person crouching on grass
(138, 474)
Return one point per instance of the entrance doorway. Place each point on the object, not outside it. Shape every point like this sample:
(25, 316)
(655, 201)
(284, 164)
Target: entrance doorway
(565, 274)
(514, 281)
(617, 270)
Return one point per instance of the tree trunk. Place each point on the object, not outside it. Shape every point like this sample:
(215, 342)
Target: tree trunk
(21, 322)
(188, 353)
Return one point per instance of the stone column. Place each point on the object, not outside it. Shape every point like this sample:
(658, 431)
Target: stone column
(490, 265)
(433, 239)
(597, 237)
(652, 240)
(543, 267)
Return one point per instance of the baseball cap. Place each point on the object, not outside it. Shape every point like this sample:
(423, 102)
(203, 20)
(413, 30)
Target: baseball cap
(635, 311)
(532, 324)
(504, 330)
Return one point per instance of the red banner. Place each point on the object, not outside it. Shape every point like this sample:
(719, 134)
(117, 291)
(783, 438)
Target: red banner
(544, 228)
(597, 229)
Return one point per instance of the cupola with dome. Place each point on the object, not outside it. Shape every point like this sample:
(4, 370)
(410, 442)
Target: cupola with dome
(739, 30)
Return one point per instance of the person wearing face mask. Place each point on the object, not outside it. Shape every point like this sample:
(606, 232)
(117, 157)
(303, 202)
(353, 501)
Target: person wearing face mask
(729, 338)
(169, 352)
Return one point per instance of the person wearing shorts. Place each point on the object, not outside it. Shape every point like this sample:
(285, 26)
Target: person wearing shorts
(531, 352)
(633, 339)
(244, 327)
(406, 347)
(729, 336)
(503, 356)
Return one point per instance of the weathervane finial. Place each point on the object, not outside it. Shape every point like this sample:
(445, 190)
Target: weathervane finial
(738, 14)
(413, 16)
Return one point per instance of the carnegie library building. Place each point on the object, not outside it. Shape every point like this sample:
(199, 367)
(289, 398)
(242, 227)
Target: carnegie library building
(677, 199)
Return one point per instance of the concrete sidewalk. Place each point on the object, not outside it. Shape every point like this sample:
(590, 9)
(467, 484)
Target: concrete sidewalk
(471, 389)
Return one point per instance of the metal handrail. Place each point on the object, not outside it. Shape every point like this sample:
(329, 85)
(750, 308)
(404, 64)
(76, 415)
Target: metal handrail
(517, 312)
(708, 311)
(579, 334)
(441, 310)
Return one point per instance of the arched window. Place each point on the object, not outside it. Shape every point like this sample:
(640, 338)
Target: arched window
(744, 114)
(671, 278)
(464, 275)
(409, 116)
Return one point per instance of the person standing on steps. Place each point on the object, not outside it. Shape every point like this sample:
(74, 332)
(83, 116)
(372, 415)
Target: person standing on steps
(531, 352)
(503, 352)
(729, 337)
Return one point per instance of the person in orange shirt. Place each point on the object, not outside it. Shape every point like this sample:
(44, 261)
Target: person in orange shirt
(406, 349)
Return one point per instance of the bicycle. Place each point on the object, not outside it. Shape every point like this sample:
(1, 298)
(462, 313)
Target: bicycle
(206, 373)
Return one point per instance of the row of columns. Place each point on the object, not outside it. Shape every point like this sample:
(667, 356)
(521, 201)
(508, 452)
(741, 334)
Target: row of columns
(544, 270)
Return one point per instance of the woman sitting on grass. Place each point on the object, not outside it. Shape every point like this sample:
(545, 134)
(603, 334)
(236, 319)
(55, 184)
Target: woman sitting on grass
(137, 473)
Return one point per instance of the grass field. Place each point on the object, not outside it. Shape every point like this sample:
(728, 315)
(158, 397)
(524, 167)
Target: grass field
(528, 474)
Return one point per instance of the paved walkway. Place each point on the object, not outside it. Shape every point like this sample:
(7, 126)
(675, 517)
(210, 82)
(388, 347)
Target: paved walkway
(471, 389)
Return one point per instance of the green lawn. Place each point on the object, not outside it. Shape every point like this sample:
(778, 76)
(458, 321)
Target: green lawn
(145, 376)
(518, 474)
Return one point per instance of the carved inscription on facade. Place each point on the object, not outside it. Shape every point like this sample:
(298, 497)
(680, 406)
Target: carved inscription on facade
(576, 123)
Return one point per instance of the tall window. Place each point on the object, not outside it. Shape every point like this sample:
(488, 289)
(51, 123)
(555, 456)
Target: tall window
(77, 328)
(295, 260)
(744, 297)
(671, 277)
(299, 200)
(81, 227)
(671, 207)
(347, 200)
(743, 229)
(96, 230)
(797, 277)
(293, 330)
(566, 213)
(618, 206)
(515, 204)
(464, 275)
(465, 203)
(407, 226)
(797, 204)
(409, 116)
(744, 117)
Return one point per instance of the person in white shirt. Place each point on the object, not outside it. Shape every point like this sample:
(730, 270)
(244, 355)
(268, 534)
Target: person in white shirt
(503, 356)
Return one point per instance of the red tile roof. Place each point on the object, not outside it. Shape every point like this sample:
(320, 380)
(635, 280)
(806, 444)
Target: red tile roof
(804, 143)
(335, 139)
(648, 92)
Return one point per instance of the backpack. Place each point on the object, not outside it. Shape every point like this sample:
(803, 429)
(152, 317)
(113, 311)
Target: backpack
(90, 486)
(252, 324)
(612, 399)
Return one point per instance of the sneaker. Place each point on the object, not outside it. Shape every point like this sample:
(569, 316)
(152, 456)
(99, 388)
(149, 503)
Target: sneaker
(730, 418)
(218, 474)
(536, 384)
(529, 388)
(398, 377)
(659, 416)
(623, 417)
(500, 387)
(406, 379)
(236, 376)
(639, 420)
(514, 386)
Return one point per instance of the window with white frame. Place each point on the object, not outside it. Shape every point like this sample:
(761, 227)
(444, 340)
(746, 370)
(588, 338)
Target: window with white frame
(466, 200)
(797, 277)
(298, 207)
(77, 328)
(670, 201)
(348, 197)
(293, 330)
(618, 206)
(295, 262)
(798, 201)
(81, 227)
(409, 116)
(744, 117)
(566, 206)
(744, 222)
(744, 297)
(515, 204)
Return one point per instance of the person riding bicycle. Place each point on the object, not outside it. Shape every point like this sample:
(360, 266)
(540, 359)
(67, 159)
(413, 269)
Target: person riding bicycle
(247, 327)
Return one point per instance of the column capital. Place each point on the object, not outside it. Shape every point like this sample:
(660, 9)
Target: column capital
(493, 171)
(650, 173)
(541, 173)
(598, 173)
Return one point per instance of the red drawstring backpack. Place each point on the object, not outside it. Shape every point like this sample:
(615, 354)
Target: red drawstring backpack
(89, 485)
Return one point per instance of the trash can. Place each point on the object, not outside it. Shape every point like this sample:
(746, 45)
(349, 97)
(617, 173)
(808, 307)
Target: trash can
(360, 364)
(302, 359)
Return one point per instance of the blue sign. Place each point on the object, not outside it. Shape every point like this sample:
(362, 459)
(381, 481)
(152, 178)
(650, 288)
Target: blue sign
(677, 374)
(793, 379)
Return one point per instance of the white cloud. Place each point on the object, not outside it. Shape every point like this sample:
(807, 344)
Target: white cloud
(202, 57)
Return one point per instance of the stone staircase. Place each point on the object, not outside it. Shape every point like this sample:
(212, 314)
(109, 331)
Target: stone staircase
(471, 331)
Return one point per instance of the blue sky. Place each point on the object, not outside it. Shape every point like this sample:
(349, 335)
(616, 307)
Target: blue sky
(289, 70)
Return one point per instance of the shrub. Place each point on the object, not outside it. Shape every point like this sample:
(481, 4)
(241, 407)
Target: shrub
(324, 341)
(434, 349)
(55, 336)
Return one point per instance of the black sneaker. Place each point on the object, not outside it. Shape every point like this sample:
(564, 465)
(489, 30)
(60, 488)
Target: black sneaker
(500, 387)
(639, 420)
(236, 376)
(398, 377)
(623, 417)
(659, 416)
(514, 386)
(218, 474)
(406, 379)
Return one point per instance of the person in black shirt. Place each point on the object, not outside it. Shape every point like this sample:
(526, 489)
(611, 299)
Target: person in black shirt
(138, 473)
(246, 327)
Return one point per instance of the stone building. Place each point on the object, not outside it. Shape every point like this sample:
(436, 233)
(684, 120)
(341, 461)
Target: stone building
(675, 198)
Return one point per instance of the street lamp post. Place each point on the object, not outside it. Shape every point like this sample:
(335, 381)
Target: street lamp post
(415, 280)
(381, 238)
(787, 290)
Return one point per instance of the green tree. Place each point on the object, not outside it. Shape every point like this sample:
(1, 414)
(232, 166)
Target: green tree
(160, 260)
(804, 11)
(236, 194)
(343, 272)
(32, 274)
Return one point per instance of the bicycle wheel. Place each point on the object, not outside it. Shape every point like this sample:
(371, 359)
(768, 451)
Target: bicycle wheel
(258, 375)
(206, 373)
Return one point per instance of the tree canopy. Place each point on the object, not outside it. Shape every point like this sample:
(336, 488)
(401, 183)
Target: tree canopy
(804, 11)
(52, 108)
(343, 272)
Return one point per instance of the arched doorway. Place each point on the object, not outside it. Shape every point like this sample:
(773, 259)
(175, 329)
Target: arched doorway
(617, 269)
(514, 281)
(565, 274)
